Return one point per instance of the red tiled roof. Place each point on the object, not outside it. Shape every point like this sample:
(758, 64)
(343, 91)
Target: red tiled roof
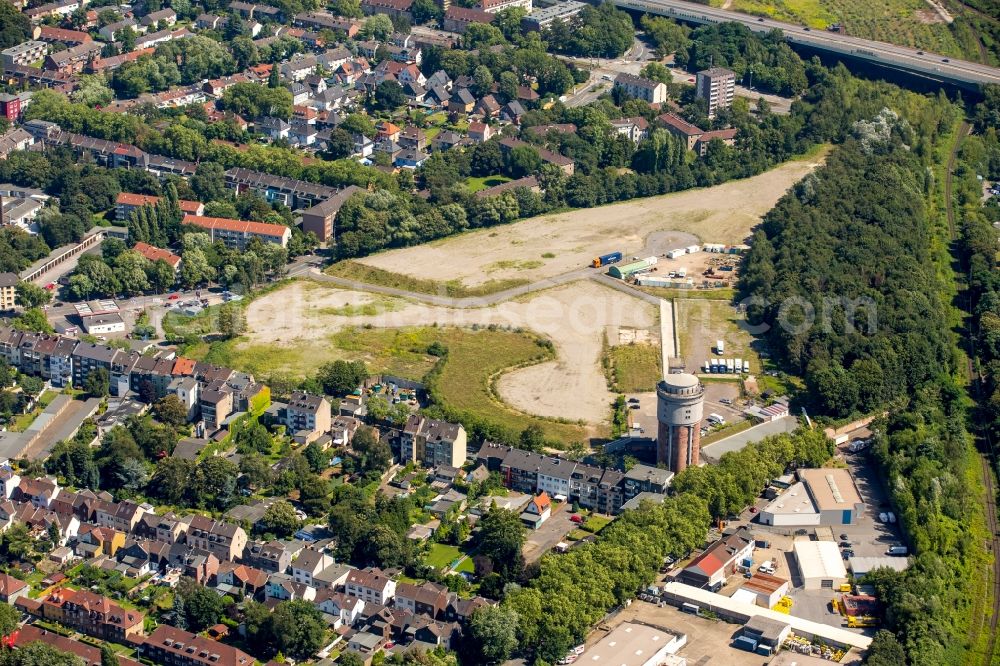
(183, 366)
(9, 585)
(156, 253)
(129, 199)
(679, 124)
(221, 223)
(724, 134)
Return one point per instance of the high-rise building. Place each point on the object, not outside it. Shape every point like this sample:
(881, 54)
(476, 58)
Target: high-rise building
(679, 403)
(717, 86)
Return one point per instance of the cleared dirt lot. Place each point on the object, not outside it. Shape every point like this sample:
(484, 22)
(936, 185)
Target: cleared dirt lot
(550, 245)
(576, 317)
(701, 323)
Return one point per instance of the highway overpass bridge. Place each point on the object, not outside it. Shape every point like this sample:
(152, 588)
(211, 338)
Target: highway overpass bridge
(932, 66)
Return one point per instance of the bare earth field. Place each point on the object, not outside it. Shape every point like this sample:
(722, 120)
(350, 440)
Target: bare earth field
(575, 317)
(551, 245)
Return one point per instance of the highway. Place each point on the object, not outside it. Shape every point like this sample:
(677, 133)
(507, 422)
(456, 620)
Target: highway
(930, 65)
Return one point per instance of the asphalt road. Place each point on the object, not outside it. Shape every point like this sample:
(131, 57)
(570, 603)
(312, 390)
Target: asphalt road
(928, 64)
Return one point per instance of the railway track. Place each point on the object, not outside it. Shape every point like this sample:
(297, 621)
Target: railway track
(984, 444)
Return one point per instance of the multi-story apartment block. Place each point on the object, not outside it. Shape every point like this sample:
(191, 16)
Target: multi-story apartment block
(717, 86)
(122, 516)
(8, 291)
(432, 442)
(308, 564)
(593, 487)
(496, 6)
(25, 54)
(224, 540)
(238, 233)
(305, 412)
(174, 647)
(272, 557)
(371, 586)
(92, 614)
(654, 92)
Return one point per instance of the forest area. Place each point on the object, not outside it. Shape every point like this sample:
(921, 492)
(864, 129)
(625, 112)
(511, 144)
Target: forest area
(869, 228)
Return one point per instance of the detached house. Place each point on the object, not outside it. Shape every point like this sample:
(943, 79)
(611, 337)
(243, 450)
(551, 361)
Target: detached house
(427, 599)
(538, 511)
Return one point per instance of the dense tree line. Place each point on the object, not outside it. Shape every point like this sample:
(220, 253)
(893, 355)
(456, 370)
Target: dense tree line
(861, 228)
(774, 65)
(842, 275)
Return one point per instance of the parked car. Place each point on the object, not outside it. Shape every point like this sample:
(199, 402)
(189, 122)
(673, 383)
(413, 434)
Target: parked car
(845, 544)
(576, 518)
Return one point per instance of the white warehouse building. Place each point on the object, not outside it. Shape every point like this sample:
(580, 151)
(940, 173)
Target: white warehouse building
(820, 564)
(820, 497)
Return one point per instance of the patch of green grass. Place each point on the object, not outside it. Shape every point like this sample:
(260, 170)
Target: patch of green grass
(633, 368)
(352, 270)
(463, 384)
(726, 431)
(475, 184)
(466, 566)
(595, 524)
(22, 422)
(377, 307)
(440, 555)
(700, 294)
(514, 265)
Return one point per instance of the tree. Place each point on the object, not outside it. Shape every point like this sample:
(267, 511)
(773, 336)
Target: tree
(280, 519)
(532, 438)
(171, 480)
(195, 270)
(885, 650)
(350, 659)
(170, 411)
(93, 91)
(15, 27)
(482, 80)
(209, 181)
(298, 628)
(493, 629)
(425, 11)
(108, 656)
(97, 384)
(389, 95)
(524, 161)
(33, 320)
(340, 144)
(373, 453)
(30, 295)
(356, 123)
(232, 320)
(10, 620)
(378, 27)
(203, 608)
(341, 377)
(501, 538)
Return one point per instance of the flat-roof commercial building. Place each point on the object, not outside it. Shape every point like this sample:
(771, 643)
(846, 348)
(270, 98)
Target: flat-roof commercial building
(735, 610)
(819, 563)
(820, 497)
(634, 644)
(763, 589)
(238, 233)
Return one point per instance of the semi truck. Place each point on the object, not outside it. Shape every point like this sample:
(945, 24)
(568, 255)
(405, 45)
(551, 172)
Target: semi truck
(607, 259)
(720, 347)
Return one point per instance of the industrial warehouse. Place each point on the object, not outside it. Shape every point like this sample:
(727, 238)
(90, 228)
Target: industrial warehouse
(819, 497)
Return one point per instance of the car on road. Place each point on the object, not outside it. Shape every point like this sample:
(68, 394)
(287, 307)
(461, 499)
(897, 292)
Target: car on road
(635, 400)
(753, 509)
(173, 297)
(634, 405)
(761, 20)
(606, 77)
(725, 401)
